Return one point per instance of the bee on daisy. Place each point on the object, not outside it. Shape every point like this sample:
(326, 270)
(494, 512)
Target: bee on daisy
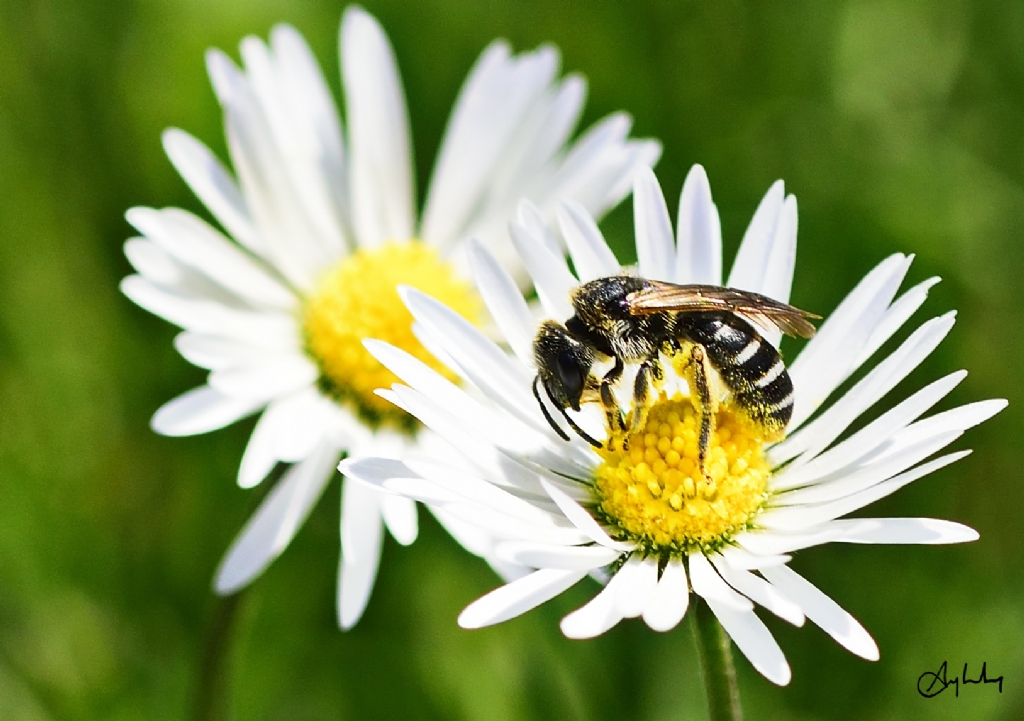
(320, 224)
(637, 489)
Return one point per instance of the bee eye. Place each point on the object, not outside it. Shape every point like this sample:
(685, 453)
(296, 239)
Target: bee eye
(571, 375)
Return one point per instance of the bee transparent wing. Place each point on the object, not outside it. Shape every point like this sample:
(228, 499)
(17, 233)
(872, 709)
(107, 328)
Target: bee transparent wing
(659, 296)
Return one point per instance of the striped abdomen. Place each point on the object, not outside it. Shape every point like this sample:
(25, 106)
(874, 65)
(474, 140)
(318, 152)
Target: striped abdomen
(748, 365)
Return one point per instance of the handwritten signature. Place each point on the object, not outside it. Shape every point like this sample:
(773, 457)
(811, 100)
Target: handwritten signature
(937, 681)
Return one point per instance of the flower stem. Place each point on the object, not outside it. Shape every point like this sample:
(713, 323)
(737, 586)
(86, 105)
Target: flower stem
(715, 650)
(212, 695)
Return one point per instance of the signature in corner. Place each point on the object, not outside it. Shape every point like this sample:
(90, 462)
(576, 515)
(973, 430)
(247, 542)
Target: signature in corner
(931, 684)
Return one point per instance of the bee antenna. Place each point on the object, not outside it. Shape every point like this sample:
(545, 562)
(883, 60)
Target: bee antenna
(579, 431)
(544, 409)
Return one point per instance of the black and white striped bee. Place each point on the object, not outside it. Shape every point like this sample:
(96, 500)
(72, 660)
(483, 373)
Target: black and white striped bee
(632, 320)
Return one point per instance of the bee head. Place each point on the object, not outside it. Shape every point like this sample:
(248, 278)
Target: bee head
(563, 364)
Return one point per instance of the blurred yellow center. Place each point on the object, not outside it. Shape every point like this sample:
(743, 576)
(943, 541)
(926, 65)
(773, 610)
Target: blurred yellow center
(358, 299)
(651, 490)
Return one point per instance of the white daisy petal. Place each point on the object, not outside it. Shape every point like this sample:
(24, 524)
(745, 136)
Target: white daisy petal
(668, 606)
(754, 640)
(400, 518)
(262, 452)
(303, 424)
(778, 273)
(195, 243)
(638, 582)
(568, 558)
(760, 591)
(357, 571)
(581, 518)
(551, 277)
(276, 521)
(862, 477)
(905, 530)
(213, 185)
(654, 242)
(799, 517)
(744, 560)
(266, 379)
(152, 263)
(201, 410)
(698, 233)
(591, 255)
(381, 159)
(897, 314)
(709, 585)
(827, 359)
(518, 597)
(503, 299)
(598, 615)
(870, 437)
(823, 611)
(819, 433)
(957, 419)
(772, 543)
(204, 316)
(215, 352)
(748, 270)
(361, 523)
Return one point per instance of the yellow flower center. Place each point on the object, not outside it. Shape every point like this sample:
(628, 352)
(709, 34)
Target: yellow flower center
(358, 299)
(652, 492)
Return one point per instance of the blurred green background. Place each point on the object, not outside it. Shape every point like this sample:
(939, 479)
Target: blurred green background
(899, 126)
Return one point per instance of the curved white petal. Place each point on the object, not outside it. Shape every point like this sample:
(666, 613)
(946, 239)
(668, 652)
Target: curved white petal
(590, 253)
(930, 531)
(638, 582)
(201, 410)
(213, 185)
(400, 518)
(503, 299)
(698, 233)
(380, 176)
(276, 521)
(195, 243)
(518, 597)
(550, 275)
(760, 591)
(671, 599)
(544, 555)
(828, 358)
(655, 247)
(709, 585)
(748, 270)
(597, 615)
(357, 574)
(262, 452)
(269, 378)
(823, 611)
(755, 641)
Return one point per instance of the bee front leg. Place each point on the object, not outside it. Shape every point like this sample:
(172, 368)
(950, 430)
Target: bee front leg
(649, 370)
(612, 412)
(698, 359)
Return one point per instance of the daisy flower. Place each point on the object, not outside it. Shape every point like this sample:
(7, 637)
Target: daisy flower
(323, 226)
(639, 515)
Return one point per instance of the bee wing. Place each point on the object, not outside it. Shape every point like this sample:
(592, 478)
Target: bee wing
(659, 296)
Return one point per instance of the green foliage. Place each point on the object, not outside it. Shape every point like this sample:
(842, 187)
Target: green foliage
(899, 126)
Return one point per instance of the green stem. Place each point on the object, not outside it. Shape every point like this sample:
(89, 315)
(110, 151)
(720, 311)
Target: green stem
(212, 699)
(715, 650)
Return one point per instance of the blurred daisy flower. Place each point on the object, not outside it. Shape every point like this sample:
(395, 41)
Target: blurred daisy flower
(323, 227)
(639, 515)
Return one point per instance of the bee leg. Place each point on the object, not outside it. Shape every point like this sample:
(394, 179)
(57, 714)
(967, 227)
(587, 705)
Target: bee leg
(700, 382)
(649, 369)
(611, 409)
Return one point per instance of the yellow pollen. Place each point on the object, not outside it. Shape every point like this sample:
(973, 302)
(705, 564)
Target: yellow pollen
(357, 299)
(650, 488)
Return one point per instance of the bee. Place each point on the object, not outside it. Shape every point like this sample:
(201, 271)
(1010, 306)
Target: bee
(631, 320)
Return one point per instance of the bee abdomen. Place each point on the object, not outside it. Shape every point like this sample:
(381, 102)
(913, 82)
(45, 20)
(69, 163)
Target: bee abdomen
(755, 374)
